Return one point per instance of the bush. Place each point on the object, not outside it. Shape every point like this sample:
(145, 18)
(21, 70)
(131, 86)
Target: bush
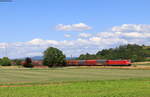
(28, 63)
(5, 61)
(17, 62)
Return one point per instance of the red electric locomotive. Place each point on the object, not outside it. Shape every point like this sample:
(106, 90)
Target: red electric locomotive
(118, 63)
(98, 63)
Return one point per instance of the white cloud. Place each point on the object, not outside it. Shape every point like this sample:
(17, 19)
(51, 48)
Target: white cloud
(85, 35)
(105, 34)
(136, 35)
(85, 43)
(133, 34)
(132, 28)
(67, 35)
(34, 54)
(3, 45)
(38, 41)
(52, 42)
(73, 27)
(95, 39)
(81, 41)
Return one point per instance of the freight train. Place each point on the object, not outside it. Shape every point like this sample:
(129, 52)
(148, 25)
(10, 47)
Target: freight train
(98, 63)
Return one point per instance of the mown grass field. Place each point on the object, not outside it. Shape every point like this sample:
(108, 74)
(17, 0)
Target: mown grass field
(73, 82)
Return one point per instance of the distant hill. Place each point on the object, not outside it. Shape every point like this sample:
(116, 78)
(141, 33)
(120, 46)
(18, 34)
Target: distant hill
(41, 58)
(37, 58)
(71, 58)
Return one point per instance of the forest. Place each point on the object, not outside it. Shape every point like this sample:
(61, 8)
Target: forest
(133, 52)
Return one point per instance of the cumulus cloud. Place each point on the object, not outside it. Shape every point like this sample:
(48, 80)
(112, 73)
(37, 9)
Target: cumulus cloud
(86, 42)
(38, 41)
(73, 27)
(132, 28)
(85, 35)
(129, 33)
(67, 35)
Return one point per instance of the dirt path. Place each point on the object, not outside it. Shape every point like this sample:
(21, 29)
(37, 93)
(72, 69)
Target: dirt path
(16, 85)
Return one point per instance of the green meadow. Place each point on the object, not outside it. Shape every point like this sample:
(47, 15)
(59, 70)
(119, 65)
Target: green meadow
(74, 82)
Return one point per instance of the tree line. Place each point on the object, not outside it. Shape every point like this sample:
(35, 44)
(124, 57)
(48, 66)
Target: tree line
(53, 57)
(131, 52)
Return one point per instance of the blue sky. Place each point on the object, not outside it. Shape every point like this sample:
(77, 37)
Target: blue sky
(23, 20)
(26, 20)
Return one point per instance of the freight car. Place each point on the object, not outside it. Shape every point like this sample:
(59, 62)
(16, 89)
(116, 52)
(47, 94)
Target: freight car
(98, 63)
